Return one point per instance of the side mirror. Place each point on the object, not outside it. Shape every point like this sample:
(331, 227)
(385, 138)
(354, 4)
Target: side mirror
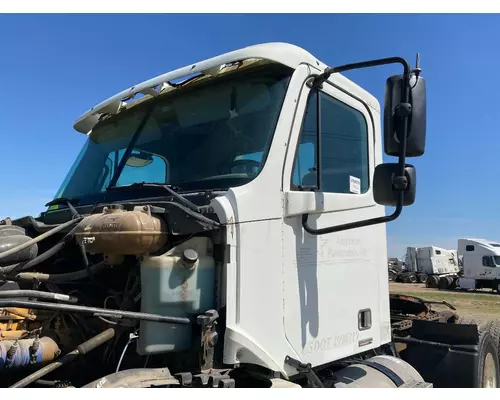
(415, 144)
(384, 191)
(139, 160)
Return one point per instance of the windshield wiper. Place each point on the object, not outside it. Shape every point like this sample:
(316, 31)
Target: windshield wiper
(130, 147)
(168, 188)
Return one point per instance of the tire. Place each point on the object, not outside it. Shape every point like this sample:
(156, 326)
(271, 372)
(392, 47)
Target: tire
(392, 276)
(411, 278)
(492, 330)
(497, 286)
(488, 371)
(445, 282)
(422, 278)
(432, 282)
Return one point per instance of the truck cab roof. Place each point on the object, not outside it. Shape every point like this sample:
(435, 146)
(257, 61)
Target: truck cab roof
(282, 53)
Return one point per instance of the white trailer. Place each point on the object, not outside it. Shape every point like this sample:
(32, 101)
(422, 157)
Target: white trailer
(481, 262)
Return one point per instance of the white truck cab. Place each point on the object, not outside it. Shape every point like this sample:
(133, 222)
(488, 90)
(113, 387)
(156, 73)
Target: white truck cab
(481, 263)
(313, 150)
(245, 195)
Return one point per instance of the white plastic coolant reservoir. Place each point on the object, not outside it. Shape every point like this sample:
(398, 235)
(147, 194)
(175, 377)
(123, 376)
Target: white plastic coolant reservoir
(178, 283)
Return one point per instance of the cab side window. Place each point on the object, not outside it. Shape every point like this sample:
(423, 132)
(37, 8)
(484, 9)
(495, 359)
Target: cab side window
(487, 262)
(341, 135)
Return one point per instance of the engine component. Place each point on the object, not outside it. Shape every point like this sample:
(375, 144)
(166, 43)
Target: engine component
(11, 239)
(103, 312)
(13, 322)
(65, 277)
(9, 253)
(180, 282)
(119, 232)
(37, 294)
(81, 350)
(24, 352)
(11, 230)
(49, 253)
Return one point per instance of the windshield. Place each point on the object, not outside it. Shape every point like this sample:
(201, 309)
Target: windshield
(497, 260)
(212, 136)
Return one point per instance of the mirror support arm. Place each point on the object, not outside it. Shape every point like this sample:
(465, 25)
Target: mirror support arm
(403, 110)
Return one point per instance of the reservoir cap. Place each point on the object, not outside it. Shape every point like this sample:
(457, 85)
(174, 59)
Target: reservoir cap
(189, 256)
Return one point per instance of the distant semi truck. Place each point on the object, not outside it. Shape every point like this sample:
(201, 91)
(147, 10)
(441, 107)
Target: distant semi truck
(434, 266)
(481, 264)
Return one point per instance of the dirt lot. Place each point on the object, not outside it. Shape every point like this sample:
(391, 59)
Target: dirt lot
(483, 305)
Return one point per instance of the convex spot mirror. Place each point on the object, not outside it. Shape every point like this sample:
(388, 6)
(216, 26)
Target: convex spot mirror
(139, 160)
(384, 191)
(393, 125)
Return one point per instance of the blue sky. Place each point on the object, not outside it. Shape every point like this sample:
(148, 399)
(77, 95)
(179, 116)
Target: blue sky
(55, 67)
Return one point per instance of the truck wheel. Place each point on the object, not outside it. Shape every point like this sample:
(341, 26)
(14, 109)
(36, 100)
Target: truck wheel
(432, 282)
(392, 276)
(492, 329)
(497, 286)
(488, 371)
(422, 278)
(411, 278)
(445, 282)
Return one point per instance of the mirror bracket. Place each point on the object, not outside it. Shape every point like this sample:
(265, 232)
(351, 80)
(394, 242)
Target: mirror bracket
(400, 183)
(403, 110)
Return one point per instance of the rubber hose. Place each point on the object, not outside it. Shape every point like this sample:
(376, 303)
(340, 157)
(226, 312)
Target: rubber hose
(51, 252)
(9, 268)
(37, 295)
(95, 311)
(39, 238)
(42, 257)
(66, 277)
(82, 349)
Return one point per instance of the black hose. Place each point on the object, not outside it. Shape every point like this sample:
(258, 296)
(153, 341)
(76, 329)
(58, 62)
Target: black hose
(37, 295)
(39, 238)
(95, 311)
(81, 350)
(51, 252)
(85, 260)
(42, 257)
(10, 268)
(66, 277)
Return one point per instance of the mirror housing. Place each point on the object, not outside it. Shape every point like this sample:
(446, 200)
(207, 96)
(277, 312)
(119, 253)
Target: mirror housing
(384, 191)
(139, 160)
(393, 127)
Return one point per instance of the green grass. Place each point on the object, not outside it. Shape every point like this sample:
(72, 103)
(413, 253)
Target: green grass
(450, 296)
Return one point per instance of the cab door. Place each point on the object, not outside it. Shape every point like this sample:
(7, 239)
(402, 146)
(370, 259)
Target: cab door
(335, 285)
(489, 271)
